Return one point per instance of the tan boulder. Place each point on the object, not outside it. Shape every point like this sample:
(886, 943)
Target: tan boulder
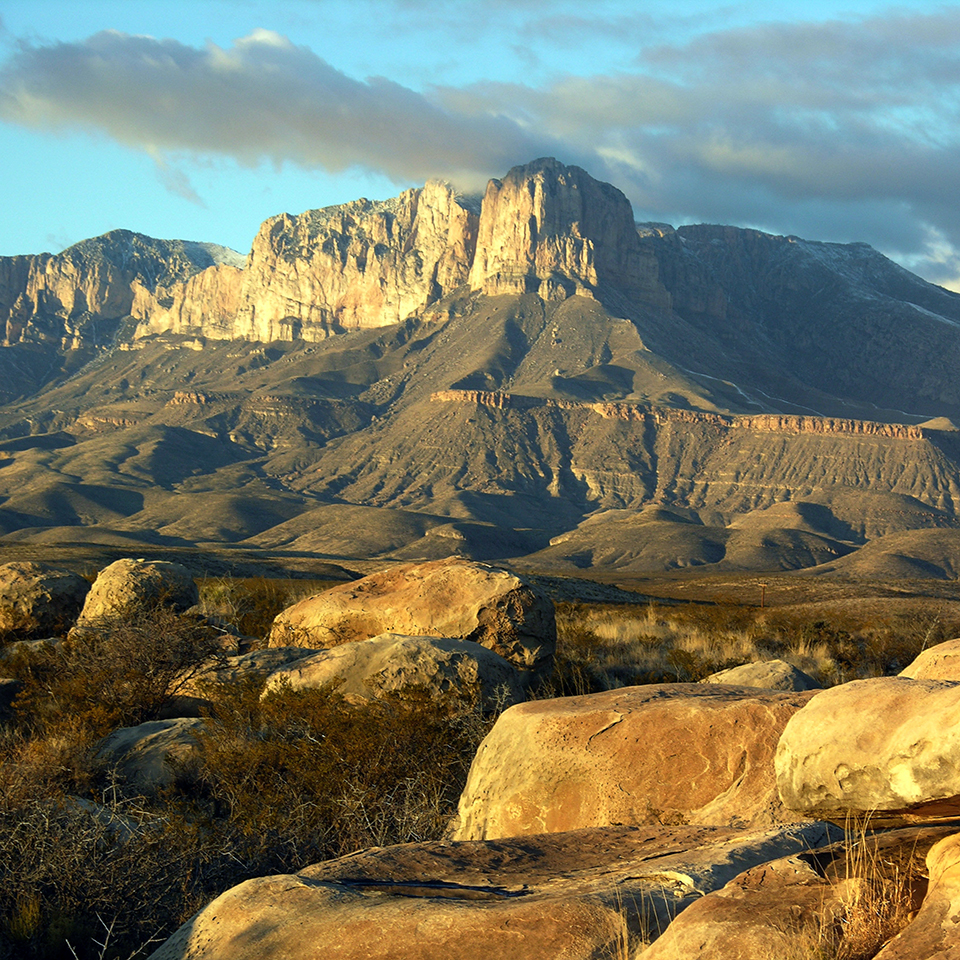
(396, 666)
(128, 585)
(442, 598)
(143, 756)
(662, 753)
(888, 747)
(807, 905)
(933, 935)
(766, 675)
(37, 600)
(940, 662)
(583, 895)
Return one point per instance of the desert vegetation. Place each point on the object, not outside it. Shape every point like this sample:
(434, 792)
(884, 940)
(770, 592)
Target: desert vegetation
(90, 868)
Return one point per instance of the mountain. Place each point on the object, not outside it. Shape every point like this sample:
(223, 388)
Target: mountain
(531, 376)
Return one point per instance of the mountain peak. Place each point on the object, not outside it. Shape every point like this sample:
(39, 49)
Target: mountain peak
(554, 230)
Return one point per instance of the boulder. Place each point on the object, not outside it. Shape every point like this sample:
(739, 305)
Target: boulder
(661, 753)
(405, 668)
(807, 905)
(128, 585)
(143, 756)
(581, 896)
(767, 675)
(442, 598)
(933, 935)
(37, 600)
(888, 747)
(940, 662)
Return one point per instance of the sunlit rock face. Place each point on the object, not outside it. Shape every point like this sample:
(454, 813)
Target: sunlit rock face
(553, 230)
(359, 264)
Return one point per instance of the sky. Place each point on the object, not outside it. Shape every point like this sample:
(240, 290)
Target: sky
(197, 120)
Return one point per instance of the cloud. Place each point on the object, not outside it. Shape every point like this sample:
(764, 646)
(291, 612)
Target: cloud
(261, 99)
(840, 129)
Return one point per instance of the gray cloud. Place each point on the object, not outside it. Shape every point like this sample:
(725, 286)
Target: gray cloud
(262, 99)
(844, 129)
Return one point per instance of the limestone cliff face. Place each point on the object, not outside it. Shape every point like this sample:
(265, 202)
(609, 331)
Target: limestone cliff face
(360, 264)
(60, 299)
(554, 230)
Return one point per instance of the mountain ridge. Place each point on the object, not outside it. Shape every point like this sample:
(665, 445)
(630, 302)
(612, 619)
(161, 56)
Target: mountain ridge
(535, 379)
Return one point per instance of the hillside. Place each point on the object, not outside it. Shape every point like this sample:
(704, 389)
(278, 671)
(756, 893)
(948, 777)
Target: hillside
(534, 379)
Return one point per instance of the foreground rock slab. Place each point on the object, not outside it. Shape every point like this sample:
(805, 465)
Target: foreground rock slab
(37, 600)
(402, 667)
(661, 753)
(128, 585)
(443, 598)
(888, 747)
(581, 896)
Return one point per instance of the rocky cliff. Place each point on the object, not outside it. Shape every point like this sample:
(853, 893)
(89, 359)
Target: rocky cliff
(64, 298)
(360, 264)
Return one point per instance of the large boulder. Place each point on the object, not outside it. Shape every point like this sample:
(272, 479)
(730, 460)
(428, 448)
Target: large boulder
(442, 598)
(37, 600)
(399, 667)
(933, 935)
(842, 900)
(940, 662)
(143, 757)
(581, 896)
(888, 747)
(662, 753)
(766, 675)
(126, 586)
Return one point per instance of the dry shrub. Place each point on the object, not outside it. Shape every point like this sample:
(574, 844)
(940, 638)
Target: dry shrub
(303, 775)
(250, 604)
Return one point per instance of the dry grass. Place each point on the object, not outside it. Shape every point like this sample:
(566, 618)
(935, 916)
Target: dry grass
(601, 647)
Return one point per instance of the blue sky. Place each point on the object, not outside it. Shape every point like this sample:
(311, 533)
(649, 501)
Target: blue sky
(197, 120)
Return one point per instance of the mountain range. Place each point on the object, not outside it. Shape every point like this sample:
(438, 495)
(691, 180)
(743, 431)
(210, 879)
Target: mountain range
(530, 376)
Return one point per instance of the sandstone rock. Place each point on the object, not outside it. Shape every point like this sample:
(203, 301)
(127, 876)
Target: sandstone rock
(141, 755)
(581, 895)
(663, 753)
(940, 662)
(127, 585)
(767, 675)
(393, 665)
(443, 598)
(888, 747)
(802, 905)
(38, 600)
(933, 935)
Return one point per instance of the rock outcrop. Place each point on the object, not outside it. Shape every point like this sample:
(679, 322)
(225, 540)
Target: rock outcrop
(360, 264)
(767, 675)
(553, 230)
(887, 748)
(939, 662)
(37, 600)
(64, 298)
(143, 757)
(126, 586)
(404, 668)
(565, 764)
(442, 598)
(581, 896)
